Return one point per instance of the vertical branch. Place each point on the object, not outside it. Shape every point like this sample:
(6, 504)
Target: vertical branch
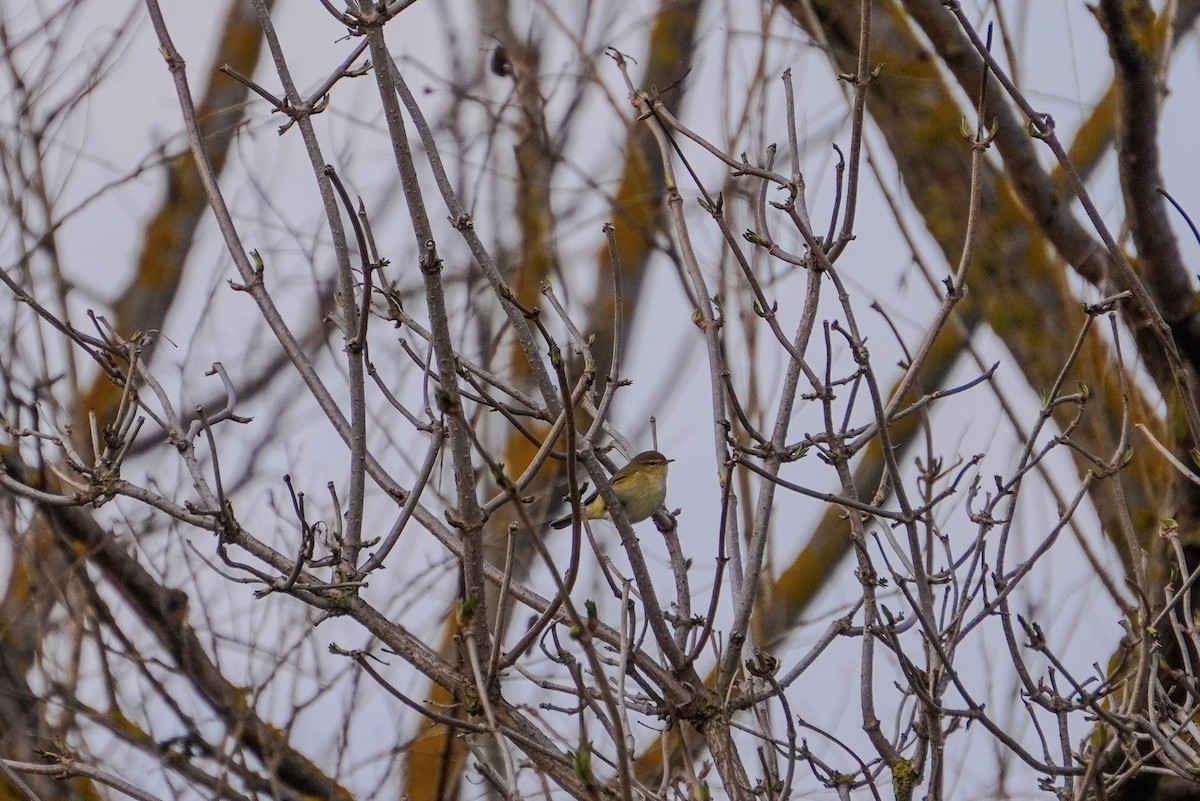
(449, 400)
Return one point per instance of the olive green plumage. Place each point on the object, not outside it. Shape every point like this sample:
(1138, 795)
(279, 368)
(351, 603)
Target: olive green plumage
(641, 485)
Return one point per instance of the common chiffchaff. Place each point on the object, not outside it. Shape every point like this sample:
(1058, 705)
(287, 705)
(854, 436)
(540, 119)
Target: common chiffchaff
(641, 485)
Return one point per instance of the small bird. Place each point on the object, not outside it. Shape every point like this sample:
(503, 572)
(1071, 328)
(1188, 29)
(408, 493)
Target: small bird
(641, 486)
